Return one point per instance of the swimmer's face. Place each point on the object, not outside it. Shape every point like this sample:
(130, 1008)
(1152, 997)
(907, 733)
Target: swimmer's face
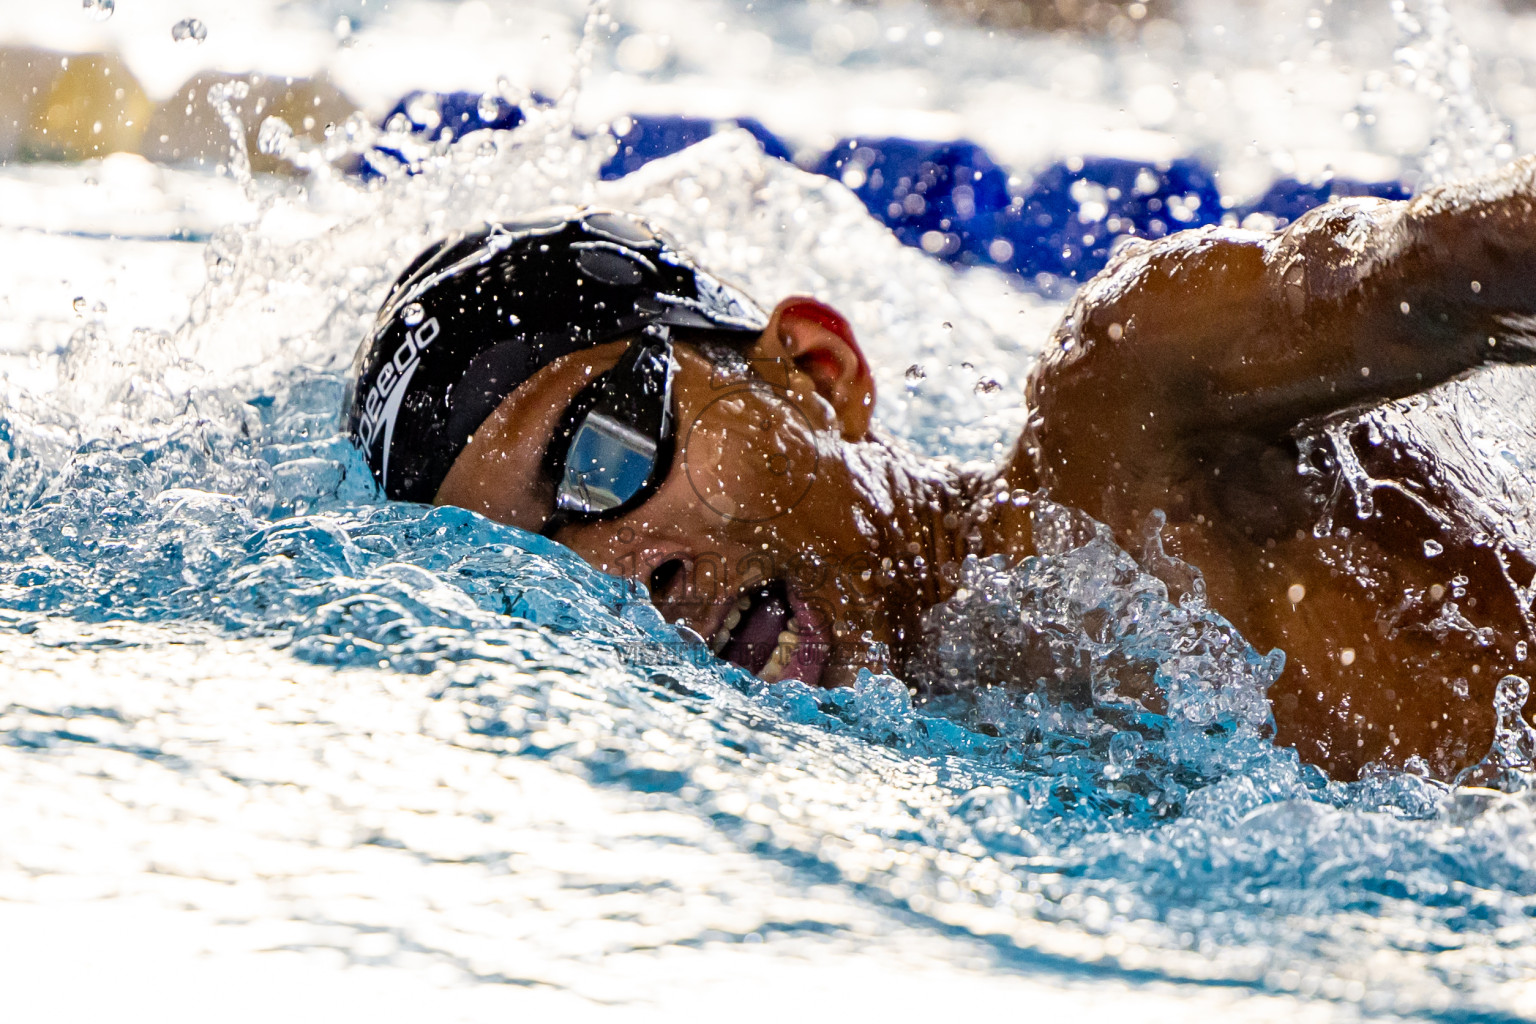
(761, 536)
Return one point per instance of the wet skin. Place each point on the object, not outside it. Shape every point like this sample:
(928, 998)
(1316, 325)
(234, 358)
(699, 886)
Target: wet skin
(1190, 377)
(777, 478)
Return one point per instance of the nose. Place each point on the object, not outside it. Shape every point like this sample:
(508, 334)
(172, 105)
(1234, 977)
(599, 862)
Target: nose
(619, 548)
(686, 585)
(664, 577)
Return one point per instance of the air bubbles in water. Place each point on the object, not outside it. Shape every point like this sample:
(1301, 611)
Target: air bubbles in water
(189, 30)
(412, 314)
(99, 10)
(78, 305)
(1432, 548)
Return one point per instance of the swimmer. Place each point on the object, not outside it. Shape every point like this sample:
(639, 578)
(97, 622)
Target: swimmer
(582, 378)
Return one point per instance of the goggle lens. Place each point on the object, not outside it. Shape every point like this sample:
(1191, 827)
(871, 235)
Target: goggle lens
(617, 443)
(607, 465)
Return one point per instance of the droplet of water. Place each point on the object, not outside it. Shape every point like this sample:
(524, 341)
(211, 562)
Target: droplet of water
(489, 107)
(1514, 743)
(343, 30)
(412, 314)
(189, 30)
(78, 305)
(422, 110)
(99, 10)
(274, 136)
(987, 386)
(915, 373)
(1432, 548)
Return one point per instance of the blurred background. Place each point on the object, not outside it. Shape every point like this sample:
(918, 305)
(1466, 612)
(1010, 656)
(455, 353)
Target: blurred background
(1156, 115)
(1257, 90)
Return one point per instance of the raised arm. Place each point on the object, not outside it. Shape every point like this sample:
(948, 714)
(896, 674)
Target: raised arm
(1243, 334)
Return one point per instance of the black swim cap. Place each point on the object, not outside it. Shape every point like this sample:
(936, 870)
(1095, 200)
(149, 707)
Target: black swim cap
(477, 314)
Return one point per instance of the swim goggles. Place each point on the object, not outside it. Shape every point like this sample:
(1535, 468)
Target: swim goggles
(478, 314)
(614, 442)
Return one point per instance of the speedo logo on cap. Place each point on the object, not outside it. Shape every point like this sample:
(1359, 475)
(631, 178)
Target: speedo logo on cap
(382, 404)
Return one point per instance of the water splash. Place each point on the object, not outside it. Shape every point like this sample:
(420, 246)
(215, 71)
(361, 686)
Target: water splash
(1467, 138)
(189, 31)
(222, 97)
(1511, 762)
(1078, 654)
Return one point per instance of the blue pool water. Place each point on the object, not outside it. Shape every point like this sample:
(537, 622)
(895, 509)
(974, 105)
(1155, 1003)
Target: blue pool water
(261, 730)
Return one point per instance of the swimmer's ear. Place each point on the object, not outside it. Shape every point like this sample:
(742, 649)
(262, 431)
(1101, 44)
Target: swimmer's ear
(815, 339)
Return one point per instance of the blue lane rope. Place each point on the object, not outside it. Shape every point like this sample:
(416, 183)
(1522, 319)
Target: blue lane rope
(948, 198)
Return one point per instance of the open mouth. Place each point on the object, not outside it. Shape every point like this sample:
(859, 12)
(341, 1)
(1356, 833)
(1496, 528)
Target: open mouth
(763, 634)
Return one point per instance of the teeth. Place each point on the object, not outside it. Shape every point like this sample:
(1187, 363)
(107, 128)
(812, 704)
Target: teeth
(783, 654)
(774, 670)
(723, 635)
